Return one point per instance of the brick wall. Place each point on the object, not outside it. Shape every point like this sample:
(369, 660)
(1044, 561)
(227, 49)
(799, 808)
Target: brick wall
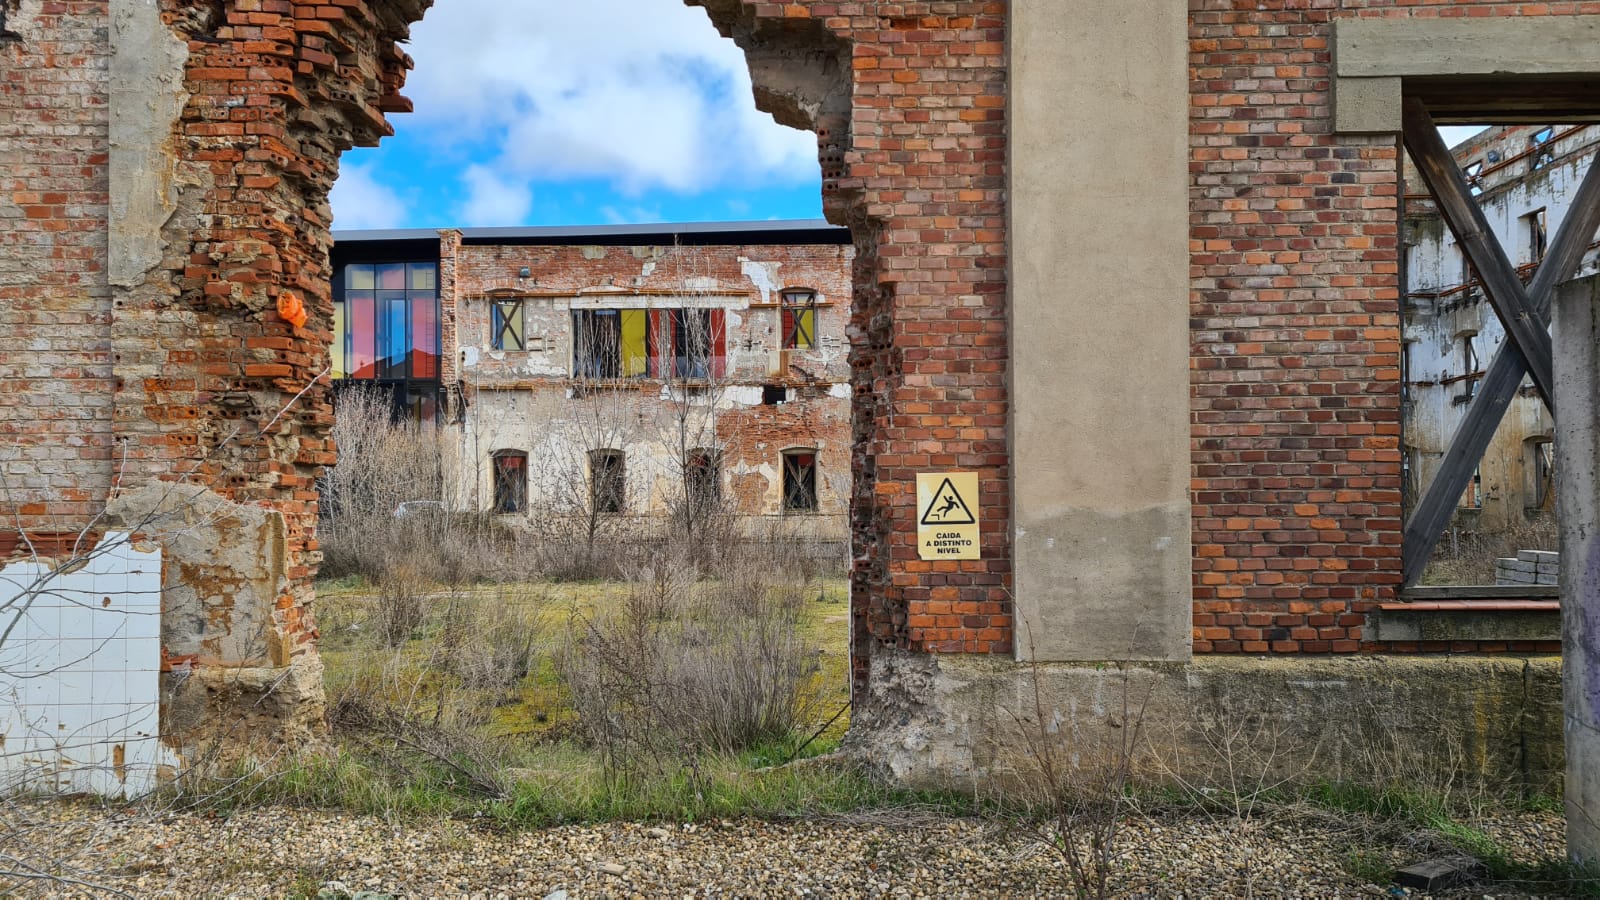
(55, 301)
(1296, 332)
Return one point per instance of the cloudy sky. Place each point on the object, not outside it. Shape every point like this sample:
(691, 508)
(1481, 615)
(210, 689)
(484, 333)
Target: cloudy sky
(554, 112)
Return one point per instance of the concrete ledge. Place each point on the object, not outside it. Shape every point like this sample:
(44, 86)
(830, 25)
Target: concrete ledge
(976, 723)
(1466, 620)
(1497, 45)
(1366, 105)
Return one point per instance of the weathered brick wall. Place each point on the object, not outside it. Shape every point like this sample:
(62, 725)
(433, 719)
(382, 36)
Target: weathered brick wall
(518, 399)
(1296, 332)
(55, 301)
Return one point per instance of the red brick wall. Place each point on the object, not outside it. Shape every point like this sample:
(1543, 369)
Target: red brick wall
(55, 302)
(1296, 332)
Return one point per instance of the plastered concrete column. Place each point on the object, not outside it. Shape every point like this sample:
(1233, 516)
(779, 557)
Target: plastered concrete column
(1577, 364)
(1099, 329)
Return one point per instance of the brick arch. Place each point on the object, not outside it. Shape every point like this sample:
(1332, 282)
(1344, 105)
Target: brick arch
(214, 386)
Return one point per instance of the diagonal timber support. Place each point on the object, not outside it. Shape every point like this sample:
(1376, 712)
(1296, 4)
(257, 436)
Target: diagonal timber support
(1505, 373)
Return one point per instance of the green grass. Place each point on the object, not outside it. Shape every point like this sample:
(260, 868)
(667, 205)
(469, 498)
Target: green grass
(561, 785)
(1437, 813)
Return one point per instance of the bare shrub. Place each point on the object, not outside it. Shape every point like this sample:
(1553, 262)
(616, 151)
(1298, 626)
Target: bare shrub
(491, 642)
(400, 607)
(686, 666)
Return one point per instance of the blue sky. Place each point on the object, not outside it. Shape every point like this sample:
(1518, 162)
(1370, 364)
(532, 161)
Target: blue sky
(577, 113)
(580, 113)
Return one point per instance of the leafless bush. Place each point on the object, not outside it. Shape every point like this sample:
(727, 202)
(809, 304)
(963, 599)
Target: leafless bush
(492, 642)
(383, 509)
(400, 607)
(685, 666)
(1083, 772)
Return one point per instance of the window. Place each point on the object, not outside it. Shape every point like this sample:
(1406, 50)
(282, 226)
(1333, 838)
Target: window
(1536, 235)
(1469, 366)
(638, 343)
(1473, 498)
(799, 320)
(1474, 173)
(1541, 148)
(386, 333)
(774, 394)
(800, 481)
(388, 318)
(510, 481)
(703, 480)
(507, 328)
(608, 478)
(1540, 469)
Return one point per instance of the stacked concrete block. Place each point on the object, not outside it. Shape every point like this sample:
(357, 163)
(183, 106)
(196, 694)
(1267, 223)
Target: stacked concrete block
(1529, 567)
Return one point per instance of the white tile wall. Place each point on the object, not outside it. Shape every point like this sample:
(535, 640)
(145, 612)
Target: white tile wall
(80, 668)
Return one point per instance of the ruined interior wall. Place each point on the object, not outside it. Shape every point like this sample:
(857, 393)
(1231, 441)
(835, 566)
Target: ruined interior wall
(908, 101)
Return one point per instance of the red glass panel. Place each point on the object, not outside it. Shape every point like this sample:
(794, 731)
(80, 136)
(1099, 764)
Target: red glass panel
(363, 334)
(392, 277)
(424, 338)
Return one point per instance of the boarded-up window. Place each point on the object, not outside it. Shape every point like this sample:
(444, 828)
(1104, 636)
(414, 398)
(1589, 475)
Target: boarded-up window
(510, 481)
(608, 480)
(703, 480)
(799, 320)
(507, 327)
(799, 481)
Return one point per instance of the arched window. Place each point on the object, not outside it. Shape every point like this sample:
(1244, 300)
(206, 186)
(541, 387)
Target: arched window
(702, 475)
(800, 480)
(608, 480)
(510, 481)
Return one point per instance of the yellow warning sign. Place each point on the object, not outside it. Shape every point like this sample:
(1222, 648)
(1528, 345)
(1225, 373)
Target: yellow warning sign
(947, 516)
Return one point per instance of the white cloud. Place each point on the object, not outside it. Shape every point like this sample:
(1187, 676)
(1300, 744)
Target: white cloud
(643, 93)
(359, 201)
(492, 199)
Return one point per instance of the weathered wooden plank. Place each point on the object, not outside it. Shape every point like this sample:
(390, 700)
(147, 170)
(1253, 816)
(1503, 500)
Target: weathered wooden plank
(1527, 328)
(1499, 385)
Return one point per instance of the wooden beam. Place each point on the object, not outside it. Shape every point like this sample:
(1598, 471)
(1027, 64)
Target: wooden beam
(1499, 385)
(1527, 329)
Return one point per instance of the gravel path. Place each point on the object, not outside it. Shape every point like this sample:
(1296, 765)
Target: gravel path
(286, 852)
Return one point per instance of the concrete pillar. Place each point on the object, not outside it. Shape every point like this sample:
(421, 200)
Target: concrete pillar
(1099, 312)
(1577, 366)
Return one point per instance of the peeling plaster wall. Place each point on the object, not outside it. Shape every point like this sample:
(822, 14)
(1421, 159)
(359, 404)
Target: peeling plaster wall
(524, 400)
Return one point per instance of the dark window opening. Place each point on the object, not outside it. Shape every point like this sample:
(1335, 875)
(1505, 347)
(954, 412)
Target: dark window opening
(1538, 235)
(772, 395)
(1541, 475)
(507, 327)
(703, 480)
(1469, 368)
(799, 481)
(510, 481)
(799, 320)
(608, 476)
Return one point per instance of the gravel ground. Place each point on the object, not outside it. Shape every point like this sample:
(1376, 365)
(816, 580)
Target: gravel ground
(277, 852)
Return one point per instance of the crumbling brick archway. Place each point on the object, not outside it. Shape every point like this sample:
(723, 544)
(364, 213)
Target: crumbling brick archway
(223, 241)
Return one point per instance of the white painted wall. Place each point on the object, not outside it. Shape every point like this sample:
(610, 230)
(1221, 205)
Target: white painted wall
(80, 663)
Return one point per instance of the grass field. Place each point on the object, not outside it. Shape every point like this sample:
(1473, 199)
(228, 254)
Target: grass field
(535, 707)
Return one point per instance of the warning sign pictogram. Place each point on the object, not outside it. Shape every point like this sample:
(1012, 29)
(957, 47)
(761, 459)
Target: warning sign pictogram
(947, 526)
(948, 508)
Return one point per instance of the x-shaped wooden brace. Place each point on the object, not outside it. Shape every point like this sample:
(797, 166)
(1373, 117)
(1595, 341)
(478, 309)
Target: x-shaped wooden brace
(1523, 312)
